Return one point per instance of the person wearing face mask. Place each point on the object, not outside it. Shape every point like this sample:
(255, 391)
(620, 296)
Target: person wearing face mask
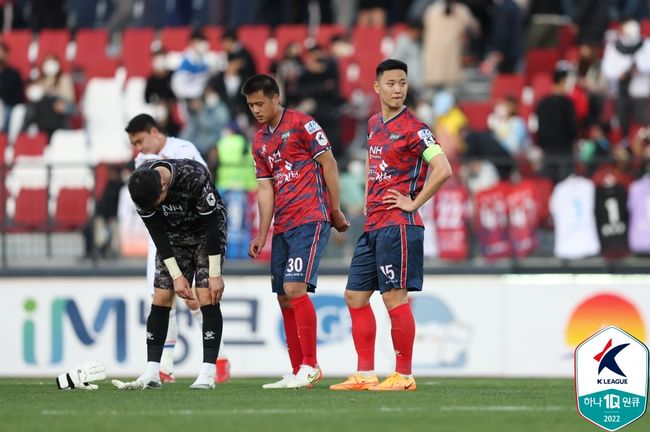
(11, 85)
(626, 66)
(50, 97)
(508, 128)
(206, 119)
(189, 80)
(158, 86)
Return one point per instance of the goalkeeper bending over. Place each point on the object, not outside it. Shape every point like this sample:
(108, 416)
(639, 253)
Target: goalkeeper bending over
(187, 221)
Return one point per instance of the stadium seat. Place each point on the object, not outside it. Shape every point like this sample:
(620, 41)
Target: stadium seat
(26, 173)
(175, 38)
(254, 38)
(110, 147)
(134, 102)
(19, 42)
(136, 51)
(3, 149)
(30, 210)
(325, 32)
(540, 61)
(367, 53)
(54, 41)
(29, 145)
(285, 34)
(71, 212)
(507, 85)
(90, 47)
(101, 68)
(102, 105)
(645, 28)
(213, 33)
(477, 113)
(69, 159)
(542, 85)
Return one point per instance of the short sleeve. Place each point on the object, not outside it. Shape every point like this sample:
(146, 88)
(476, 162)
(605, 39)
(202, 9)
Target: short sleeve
(206, 200)
(423, 142)
(314, 138)
(262, 170)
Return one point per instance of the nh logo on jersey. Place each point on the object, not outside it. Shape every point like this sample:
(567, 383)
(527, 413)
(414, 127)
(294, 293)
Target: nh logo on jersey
(611, 378)
(172, 208)
(375, 150)
(275, 157)
(312, 127)
(426, 136)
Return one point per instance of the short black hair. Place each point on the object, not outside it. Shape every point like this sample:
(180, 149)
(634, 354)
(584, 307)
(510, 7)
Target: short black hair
(260, 82)
(230, 34)
(197, 34)
(390, 64)
(145, 188)
(141, 123)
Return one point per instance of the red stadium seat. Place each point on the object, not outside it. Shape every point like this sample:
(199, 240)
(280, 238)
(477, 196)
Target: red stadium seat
(540, 61)
(213, 33)
(285, 34)
(542, 85)
(367, 53)
(18, 42)
(507, 85)
(91, 46)
(175, 38)
(54, 41)
(31, 210)
(71, 209)
(325, 32)
(3, 148)
(30, 144)
(136, 51)
(254, 38)
(477, 113)
(645, 27)
(101, 68)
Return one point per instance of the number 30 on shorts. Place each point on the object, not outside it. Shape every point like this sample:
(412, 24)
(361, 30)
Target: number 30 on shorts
(294, 265)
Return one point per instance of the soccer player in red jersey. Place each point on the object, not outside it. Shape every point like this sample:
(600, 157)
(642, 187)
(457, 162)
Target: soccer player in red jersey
(389, 254)
(299, 189)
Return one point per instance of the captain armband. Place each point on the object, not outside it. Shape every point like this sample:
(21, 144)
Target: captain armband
(431, 151)
(172, 266)
(214, 265)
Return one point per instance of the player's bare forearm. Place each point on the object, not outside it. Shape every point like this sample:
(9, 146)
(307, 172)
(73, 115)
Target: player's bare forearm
(331, 178)
(265, 203)
(440, 173)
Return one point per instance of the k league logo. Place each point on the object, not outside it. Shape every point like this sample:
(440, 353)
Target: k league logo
(611, 378)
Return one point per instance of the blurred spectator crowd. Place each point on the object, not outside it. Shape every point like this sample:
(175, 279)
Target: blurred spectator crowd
(537, 104)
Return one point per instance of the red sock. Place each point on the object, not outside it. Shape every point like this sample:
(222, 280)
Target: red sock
(291, 336)
(305, 314)
(403, 334)
(364, 329)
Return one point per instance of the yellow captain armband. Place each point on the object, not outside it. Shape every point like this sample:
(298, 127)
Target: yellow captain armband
(214, 265)
(172, 266)
(431, 152)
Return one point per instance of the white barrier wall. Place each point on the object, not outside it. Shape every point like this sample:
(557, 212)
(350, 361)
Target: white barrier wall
(466, 326)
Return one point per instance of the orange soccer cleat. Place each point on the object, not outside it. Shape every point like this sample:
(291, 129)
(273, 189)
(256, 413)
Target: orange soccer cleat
(356, 382)
(167, 378)
(395, 382)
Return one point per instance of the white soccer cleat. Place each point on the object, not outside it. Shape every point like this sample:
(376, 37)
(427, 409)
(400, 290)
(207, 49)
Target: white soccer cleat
(142, 383)
(306, 377)
(286, 379)
(205, 380)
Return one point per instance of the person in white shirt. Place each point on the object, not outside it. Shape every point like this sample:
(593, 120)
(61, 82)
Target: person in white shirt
(145, 136)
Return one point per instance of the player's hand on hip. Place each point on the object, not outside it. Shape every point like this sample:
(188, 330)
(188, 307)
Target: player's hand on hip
(255, 247)
(216, 286)
(394, 199)
(339, 221)
(182, 288)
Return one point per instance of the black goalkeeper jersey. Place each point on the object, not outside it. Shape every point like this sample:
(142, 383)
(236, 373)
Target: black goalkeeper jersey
(192, 208)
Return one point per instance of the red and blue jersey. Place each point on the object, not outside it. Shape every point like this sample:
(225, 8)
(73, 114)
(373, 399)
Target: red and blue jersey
(287, 156)
(396, 160)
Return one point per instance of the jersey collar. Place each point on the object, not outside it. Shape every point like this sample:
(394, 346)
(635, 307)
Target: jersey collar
(394, 117)
(268, 126)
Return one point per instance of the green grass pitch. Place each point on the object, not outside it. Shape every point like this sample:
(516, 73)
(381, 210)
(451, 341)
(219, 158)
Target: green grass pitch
(439, 404)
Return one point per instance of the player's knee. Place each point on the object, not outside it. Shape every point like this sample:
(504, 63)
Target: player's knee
(356, 299)
(163, 298)
(394, 298)
(295, 290)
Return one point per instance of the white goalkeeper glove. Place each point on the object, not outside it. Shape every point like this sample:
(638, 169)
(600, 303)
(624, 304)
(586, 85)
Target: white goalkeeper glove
(82, 376)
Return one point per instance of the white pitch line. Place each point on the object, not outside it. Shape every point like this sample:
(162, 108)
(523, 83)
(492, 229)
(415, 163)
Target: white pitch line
(507, 408)
(235, 411)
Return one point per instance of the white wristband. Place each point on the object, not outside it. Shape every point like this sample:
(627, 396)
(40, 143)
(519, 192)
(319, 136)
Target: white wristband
(214, 265)
(172, 266)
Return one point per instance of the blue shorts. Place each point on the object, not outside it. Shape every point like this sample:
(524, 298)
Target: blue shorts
(295, 255)
(388, 258)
